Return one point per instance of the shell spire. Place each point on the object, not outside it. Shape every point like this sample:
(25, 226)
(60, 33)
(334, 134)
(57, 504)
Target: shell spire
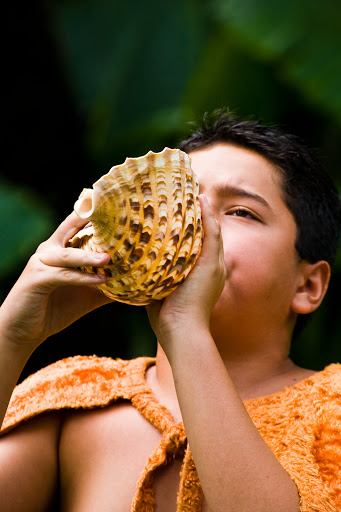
(146, 214)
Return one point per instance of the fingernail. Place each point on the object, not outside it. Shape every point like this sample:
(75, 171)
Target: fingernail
(100, 256)
(100, 277)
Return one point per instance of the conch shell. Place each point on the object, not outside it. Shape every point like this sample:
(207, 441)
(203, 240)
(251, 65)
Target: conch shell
(146, 214)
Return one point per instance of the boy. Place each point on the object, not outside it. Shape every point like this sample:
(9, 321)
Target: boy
(256, 423)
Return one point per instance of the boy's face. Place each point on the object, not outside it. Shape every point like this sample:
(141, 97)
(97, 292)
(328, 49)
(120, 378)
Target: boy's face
(259, 232)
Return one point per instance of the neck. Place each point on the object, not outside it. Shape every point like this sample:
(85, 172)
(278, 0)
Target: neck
(257, 375)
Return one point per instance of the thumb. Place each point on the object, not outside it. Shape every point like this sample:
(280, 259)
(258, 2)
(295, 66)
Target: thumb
(153, 312)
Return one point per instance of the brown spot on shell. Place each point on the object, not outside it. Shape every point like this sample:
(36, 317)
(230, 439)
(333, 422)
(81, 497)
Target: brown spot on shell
(148, 212)
(127, 244)
(136, 255)
(135, 205)
(152, 255)
(135, 226)
(145, 237)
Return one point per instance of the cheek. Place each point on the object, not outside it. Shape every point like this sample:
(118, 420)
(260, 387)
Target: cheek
(245, 259)
(258, 270)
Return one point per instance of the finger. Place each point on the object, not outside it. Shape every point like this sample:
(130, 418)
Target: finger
(212, 232)
(68, 228)
(153, 309)
(54, 276)
(76, 277)
(211, 227)
(72, 258)
(46, 270)
(153, 312)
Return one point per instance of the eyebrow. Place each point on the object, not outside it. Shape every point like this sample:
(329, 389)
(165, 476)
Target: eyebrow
(227, 190)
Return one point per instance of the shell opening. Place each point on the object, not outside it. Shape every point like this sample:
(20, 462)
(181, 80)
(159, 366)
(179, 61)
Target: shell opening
(84, 206)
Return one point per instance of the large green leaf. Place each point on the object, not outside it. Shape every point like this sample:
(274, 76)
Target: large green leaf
(24, 223)
(127, 63)
(225, 75)
(302, 37)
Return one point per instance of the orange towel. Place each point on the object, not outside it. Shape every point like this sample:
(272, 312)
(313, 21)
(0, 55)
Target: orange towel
(301, 424)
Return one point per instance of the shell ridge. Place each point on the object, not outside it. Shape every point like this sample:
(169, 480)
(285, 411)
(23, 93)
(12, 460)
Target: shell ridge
(165, 272)
(133, 267)
(154, 245)
(183, 225)
(165, 242)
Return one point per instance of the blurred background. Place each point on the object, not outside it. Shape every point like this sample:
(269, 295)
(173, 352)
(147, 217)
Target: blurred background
(88, 83)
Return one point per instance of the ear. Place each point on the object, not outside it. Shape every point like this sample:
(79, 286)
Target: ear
(312, 287)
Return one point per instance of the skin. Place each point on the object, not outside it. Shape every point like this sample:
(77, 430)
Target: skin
(223, 337)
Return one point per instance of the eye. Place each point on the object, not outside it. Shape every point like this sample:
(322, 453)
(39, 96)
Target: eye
(241, 212)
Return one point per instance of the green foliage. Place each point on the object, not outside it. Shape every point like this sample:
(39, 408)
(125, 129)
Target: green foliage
(128, 64)
(24, 223)
(303, 38)
(139, 71)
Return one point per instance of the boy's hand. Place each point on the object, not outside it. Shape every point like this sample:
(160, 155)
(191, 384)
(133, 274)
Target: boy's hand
(193, 301)
(51, 293)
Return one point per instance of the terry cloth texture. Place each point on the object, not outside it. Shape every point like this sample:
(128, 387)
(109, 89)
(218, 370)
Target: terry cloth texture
(301, 424)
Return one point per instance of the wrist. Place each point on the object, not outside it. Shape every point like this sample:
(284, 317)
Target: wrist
(181, 340)
(14, 339)
(15, 350)
(18, 329)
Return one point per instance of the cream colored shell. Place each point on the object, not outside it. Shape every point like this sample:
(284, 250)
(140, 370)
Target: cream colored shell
(146, 214)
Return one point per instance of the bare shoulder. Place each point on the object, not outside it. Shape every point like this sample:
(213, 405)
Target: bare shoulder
(115, 422)
(102, 453)
(29, 462)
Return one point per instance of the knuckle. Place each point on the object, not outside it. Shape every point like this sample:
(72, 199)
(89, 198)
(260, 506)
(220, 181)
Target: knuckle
(64, 255)
(42, 247)
(68, 274)
(34, 261)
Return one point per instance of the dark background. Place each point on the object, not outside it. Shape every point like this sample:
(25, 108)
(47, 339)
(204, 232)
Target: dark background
(88, 83)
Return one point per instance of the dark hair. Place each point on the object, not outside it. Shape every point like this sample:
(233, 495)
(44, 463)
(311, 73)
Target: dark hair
(308, 190)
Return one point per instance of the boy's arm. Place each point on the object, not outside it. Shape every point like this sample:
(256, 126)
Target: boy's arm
(236, 468)
(29, 465)
(49, 295)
